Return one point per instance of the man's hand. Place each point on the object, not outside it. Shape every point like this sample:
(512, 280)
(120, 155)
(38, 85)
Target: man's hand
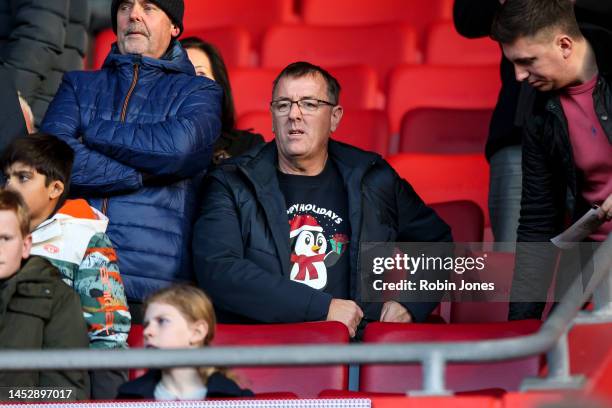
(605, 210)
(346, 312)
(393, 312)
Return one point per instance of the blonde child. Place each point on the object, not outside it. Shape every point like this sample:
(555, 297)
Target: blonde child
(38, 310)
(180, 316)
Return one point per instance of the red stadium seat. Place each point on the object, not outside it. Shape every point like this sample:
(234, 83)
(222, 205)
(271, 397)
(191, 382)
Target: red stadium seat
(135, 340)
(444, 46)
(534, 399)
(417, 13)
(465, 218)
(428, 86)
(102, 46)
(438, 177)
(443, 130)
(600, 384)
(588, 343)
(380, 46)
(304, 381)
(252, 87)
(366, 129)
(233, 43)
(257, 122)
(459, 377)
(255, 16)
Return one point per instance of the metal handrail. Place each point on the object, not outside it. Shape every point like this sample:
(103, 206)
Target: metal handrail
(433, 356)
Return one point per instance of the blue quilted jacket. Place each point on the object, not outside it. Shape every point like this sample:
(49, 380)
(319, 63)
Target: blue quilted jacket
(143, 131)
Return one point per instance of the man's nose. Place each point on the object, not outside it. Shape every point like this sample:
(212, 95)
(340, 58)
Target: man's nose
(294, 111)
(520, 73)
(7, 184)
(136, 12)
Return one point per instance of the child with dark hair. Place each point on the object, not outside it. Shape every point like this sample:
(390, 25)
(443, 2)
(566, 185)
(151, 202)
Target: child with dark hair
(208, 62)
(38, 310)
(180, 316)
(71, 235)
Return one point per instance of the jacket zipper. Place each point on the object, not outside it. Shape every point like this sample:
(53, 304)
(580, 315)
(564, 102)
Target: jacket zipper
(123, 114)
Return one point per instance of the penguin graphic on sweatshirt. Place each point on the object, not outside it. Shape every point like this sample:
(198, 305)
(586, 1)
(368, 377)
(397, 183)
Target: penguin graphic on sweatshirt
(309, 252)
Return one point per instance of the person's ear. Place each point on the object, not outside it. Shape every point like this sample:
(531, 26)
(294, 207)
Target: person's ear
(199, 331)
(337, 113)
(27, 246)
(174, 30)
(566, 45)
(56, 189)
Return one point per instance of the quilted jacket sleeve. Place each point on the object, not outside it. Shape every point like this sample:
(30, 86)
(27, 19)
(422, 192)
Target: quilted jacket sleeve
(180, 146)
(93, 172)
(36, 39)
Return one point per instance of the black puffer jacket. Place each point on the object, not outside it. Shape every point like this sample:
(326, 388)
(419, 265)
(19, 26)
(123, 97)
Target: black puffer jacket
(241, 240)
(41, 40)
(551, 186)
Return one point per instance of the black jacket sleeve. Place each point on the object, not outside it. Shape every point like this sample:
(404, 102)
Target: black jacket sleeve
(542, 216)
(11, 117)
(237, 284)
(36, 39)
(473, 18)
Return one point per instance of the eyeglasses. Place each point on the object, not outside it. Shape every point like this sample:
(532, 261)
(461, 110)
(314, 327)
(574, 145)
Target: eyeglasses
(306, 105)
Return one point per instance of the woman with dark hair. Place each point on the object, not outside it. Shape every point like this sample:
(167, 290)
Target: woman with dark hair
(208, 62)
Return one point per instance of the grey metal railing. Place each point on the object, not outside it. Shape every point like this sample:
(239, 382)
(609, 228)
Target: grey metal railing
(550, 338)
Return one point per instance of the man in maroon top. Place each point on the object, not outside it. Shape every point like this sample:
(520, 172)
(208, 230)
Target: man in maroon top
(567, 146)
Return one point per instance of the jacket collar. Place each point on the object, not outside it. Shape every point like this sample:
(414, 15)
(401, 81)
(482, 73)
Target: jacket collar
(175, 60)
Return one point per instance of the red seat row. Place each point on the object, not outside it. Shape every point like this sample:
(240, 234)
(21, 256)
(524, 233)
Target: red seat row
(381, 46)
(308, 382)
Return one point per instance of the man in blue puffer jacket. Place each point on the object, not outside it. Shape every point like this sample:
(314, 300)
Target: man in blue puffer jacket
(142, 129)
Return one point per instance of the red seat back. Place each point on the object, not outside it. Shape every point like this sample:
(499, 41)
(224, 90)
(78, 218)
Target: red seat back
(438, 178)
(445, 46)
(465, 218)
(135, 340)
(255, 16)
(234, 44)
(304, 381)
(102, 46)
(588, 344)
(600, 385)
(417, 13)
(429, 86)
(380, 46)
(459, 377)
(258, 122)
(443, 130)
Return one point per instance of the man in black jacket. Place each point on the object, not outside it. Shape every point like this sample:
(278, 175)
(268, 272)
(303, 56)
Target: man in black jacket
(567, 147)
(279, 231)
(473, 19)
